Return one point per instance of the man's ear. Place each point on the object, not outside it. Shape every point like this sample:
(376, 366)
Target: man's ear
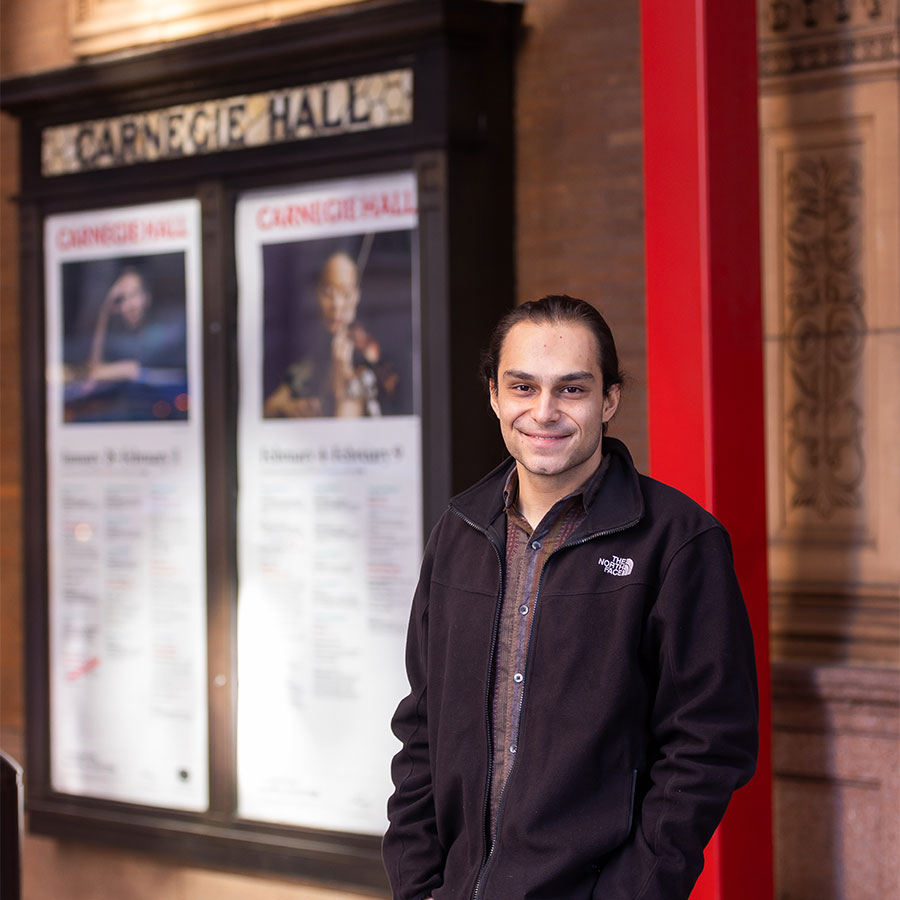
(492, 389)
(610, 403)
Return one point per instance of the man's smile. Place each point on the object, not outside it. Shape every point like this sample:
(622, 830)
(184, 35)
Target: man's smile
(544, 437)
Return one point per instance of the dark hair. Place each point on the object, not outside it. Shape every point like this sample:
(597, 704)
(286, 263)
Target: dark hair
(554, 309)
(130, 269)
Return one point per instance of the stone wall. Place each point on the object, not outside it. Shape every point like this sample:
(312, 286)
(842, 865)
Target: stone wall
(830, 159)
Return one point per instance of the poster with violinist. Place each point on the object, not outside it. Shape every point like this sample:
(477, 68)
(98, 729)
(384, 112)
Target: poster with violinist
(330, 483)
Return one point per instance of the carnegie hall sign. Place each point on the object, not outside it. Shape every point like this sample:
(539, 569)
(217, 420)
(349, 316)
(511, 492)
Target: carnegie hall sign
(363, 103)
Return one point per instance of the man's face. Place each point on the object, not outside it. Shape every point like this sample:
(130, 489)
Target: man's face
(132, 299)
(338, 293)
(550, 402)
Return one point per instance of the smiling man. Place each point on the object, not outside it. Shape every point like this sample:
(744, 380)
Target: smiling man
(583, 691)
(343, 372)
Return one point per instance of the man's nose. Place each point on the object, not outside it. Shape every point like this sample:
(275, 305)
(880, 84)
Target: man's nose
(546, 407)
(342, 302)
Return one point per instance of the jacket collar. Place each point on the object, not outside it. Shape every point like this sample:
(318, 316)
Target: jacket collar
(619, 503)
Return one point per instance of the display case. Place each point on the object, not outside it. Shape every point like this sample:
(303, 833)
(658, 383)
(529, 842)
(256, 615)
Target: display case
(256, 270)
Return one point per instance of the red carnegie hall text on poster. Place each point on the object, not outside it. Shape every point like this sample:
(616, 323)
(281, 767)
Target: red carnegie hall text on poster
(360, 208)
(121, 233)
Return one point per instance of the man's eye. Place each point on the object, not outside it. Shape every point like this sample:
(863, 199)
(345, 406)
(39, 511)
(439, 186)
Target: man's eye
(521, 388)
(572, 389)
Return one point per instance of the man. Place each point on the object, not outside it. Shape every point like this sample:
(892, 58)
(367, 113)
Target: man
(126, 302)
(136, 367)
(583, 691)
(344, 374)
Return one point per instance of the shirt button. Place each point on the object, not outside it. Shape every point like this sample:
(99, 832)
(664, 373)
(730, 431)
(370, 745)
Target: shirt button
(518, 678)
(523, 609)
(535, 545)
(512, 748)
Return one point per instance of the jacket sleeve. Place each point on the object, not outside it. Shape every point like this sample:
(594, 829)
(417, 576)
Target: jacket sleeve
(413, 857)
(704, 724)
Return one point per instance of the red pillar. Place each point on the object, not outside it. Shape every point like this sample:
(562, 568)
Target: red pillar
(704, 335)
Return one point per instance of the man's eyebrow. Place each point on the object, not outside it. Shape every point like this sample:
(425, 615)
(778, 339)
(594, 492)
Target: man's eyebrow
(519, 375)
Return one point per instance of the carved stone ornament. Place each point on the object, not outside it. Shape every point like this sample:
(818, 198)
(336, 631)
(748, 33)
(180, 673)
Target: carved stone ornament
(812, 14)
(824, 333)
(808, 36)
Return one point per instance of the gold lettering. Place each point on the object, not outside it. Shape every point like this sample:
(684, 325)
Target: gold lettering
(356, 104)
(278, 116)
(175, 135)
(200, 129)
(236, 116)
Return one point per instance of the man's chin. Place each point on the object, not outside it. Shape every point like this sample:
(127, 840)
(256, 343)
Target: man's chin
(542, 466)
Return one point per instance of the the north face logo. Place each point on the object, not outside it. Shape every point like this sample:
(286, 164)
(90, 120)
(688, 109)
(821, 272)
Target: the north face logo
(617, 565)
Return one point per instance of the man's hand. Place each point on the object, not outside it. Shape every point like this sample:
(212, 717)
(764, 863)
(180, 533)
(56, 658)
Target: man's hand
(282, 404)
(343, 379)
(116, 294)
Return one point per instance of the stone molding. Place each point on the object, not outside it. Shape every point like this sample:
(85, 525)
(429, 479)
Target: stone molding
(830, 626)
(794, 18)
(110, 26)
(803, 37)
(822, 56)
(851, 694)
(836, 766)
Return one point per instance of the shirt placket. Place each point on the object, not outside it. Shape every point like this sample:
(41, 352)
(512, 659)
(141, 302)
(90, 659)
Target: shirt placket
(526, 556)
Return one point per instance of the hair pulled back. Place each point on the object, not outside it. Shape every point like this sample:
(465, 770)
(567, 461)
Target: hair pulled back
(553, 310)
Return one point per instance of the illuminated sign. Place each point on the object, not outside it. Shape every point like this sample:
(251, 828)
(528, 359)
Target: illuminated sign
(365, 103)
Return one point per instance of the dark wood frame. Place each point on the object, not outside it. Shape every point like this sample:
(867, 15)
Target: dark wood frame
(460, 147)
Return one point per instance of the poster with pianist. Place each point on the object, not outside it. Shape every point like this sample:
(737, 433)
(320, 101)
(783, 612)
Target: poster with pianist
(125, 504)
(329, 494)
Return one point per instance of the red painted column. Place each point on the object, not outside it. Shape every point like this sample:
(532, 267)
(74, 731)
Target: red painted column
(704, 335)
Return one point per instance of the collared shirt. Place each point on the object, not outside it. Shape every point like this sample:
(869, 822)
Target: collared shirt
(527, 552)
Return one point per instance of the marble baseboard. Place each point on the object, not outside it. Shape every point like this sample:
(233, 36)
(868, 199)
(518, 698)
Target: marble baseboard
(836, 760)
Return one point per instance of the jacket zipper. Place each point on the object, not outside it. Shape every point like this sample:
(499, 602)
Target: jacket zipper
(487, 852)
(486, 856)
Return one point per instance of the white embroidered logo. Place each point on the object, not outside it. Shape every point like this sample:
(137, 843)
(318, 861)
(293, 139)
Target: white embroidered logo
(617, 565)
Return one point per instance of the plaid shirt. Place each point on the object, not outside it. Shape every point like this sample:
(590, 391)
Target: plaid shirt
(527, 552)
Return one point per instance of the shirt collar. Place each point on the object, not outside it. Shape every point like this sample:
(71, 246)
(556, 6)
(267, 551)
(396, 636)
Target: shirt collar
(587, 492)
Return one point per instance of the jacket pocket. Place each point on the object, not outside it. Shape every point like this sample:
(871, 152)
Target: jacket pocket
(634, 775)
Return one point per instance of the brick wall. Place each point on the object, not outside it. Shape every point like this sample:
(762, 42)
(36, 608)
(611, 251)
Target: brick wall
(10, 412)
(579, 182)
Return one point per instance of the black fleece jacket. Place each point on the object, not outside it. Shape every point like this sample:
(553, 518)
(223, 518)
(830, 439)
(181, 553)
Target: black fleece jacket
(640, 712)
